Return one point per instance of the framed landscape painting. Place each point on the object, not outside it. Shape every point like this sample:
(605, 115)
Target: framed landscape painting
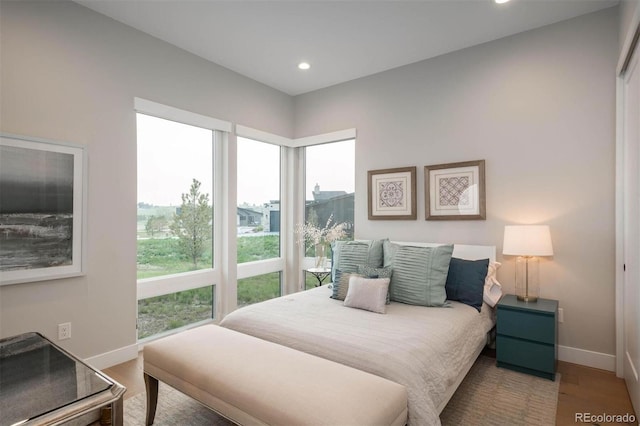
(392, 194)
(455, 191)
(42, 200)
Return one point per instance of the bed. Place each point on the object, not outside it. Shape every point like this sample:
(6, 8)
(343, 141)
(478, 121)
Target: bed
(429, 350)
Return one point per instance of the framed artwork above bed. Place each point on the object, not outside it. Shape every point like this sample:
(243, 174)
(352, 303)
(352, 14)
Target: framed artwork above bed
(392, 194)
(455, 191)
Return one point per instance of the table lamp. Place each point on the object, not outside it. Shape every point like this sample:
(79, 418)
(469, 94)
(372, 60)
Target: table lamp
(527, 242)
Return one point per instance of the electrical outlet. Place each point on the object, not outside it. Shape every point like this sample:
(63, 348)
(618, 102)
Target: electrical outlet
(64, 331)
(560, 315)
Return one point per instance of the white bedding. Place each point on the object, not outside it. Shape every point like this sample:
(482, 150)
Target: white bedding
(418, 347)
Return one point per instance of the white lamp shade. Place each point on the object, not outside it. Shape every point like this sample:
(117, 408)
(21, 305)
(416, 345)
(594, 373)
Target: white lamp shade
(527, 240)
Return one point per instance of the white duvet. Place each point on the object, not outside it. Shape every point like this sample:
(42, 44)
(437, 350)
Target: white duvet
(418, 347)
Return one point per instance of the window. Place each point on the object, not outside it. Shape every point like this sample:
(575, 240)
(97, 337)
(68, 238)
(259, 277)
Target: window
(258, 200)
(170, 311)
(259, 288)
(175, 219)
(175, 186)
(185, 223)
(258, 219)
(329, 188)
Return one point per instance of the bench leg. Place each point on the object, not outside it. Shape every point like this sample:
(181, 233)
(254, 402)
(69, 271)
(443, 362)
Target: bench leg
(151, 383)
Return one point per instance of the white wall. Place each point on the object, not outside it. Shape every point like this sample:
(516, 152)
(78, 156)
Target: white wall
(71, 74)
(539, 108)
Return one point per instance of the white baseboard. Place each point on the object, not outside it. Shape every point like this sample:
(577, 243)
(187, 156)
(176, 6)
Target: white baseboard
(565, 353)
(589, 358)
(117, 356)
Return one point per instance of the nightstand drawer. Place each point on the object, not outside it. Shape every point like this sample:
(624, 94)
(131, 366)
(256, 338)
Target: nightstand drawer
(527, 325)
(531, 355)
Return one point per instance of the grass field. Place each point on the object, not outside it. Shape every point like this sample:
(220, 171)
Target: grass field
(162, 313)
(161, 256)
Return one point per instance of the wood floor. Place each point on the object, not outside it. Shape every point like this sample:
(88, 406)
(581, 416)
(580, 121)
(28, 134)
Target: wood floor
(582, 390)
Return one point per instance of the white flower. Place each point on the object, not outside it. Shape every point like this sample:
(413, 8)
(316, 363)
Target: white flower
(310, 233)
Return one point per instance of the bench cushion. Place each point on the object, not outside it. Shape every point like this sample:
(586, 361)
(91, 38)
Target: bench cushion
(252, 381)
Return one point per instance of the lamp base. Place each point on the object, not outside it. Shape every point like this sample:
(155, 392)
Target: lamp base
(527, 279)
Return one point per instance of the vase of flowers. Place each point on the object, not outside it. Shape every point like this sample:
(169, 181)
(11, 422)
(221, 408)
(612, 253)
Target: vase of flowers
(320, 238)
(321, 255)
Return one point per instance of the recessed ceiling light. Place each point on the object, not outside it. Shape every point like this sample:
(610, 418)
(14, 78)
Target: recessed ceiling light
(304, 65)
(500, 1)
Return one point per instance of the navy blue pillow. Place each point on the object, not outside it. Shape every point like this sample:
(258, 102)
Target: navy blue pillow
(465, 281)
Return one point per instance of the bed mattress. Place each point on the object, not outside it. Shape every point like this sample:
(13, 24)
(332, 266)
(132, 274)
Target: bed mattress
(422, 348)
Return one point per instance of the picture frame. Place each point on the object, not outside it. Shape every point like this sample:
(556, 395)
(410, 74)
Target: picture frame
(392, 193)
(42, 209)
(455, 191)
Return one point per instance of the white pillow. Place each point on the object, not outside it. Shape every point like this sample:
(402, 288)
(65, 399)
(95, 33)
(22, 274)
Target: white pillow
(367, 293)
(492, 288)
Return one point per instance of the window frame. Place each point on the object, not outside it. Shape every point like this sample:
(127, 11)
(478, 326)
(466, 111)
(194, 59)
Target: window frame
(309, 261)
(226, 271)
(292, 203)
(168, 284)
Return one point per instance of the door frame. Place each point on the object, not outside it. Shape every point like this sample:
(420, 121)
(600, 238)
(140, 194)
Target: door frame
(630, 46)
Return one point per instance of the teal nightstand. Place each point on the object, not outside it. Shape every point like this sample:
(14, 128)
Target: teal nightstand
(526, 335)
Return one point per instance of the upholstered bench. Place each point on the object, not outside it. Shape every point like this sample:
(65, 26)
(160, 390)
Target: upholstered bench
(254, 382)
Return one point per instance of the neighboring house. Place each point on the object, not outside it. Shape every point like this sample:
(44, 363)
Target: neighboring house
(247, 217)
(325, 195)
(271, 218)
(327, 203)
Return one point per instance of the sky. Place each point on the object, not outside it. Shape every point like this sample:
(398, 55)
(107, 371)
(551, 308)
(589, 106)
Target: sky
(332, 166)
(171, 154)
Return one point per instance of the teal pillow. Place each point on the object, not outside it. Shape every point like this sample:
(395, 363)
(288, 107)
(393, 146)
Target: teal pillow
(347, 255)
(419, 273)
(465, 281)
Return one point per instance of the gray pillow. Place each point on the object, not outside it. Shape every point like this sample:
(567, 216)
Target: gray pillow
(340, 286)
(347, 255)
(419, 273)
(370, 272)
(367, 293)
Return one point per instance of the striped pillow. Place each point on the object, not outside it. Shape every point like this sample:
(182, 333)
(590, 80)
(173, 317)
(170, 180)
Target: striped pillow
(341, 284)
(347, 255)
(419, 273)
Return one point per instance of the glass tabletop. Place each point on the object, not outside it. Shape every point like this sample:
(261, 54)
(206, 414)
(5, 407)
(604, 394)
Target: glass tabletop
(37, 377)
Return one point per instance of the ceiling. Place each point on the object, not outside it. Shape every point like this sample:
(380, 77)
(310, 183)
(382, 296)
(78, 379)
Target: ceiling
(342, 40)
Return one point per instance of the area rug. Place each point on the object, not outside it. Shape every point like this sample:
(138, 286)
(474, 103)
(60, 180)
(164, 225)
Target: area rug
(487, 396)
(496, 396)
(174, 409)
